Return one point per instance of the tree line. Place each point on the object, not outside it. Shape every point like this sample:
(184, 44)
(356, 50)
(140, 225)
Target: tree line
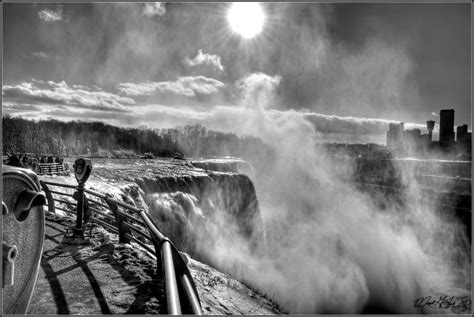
(97, 139)
(79, 138)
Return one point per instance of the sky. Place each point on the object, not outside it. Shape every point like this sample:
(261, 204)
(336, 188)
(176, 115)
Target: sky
(349, 69)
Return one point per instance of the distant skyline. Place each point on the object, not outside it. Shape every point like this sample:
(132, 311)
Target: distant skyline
(348, 69)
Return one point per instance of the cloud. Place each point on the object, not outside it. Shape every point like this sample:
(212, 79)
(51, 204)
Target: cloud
(41, 99)
(20, 108)
(40, 55)
(258, 89)
(205, 59)
(154, 9)
(253, 115)
(190, 86)
(376, 80)
(434, 114)
(60, 93)
(353, 125)
(245, 121)
(50, 16)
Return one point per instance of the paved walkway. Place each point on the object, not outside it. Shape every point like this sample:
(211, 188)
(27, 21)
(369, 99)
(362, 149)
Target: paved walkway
(101, 278)
(106, 277)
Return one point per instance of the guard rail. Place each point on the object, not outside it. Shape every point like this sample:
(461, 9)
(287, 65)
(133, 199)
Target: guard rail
(132, 224)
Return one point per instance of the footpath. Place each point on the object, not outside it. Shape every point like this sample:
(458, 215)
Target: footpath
(106, 277)
(103, 277)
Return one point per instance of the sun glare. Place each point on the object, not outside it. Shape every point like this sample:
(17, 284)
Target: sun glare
(246, 18)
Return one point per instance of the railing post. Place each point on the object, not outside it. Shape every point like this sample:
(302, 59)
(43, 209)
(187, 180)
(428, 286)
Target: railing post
(119, 219)
(49, 197)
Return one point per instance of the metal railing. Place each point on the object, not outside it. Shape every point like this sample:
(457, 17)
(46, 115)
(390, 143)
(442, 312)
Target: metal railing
(131, 224)
(52, 169)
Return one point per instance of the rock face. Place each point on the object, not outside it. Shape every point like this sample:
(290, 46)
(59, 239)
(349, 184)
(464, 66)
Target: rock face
(225, 165)
(203, 213)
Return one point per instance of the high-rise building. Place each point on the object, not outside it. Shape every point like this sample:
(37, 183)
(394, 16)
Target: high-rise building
(461, 133)
(446, 127)
(430, 126)
(394, 135)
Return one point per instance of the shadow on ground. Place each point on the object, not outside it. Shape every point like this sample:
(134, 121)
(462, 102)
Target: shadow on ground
(103, 277)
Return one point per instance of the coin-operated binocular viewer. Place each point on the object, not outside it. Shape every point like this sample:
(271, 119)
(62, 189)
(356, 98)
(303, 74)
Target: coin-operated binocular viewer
(23, 237)
(82, 170)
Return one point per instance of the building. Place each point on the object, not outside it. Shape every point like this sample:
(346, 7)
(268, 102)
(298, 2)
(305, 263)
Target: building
(425, 140)
(463, 137)
(395, 135)
(412, 142)
(461, 133)
(446, 127)
(413, 134)
(468, 140)
(430, 126)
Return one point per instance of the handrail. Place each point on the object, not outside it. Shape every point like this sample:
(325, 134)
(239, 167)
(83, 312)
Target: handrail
(137, 230)
(151, 226)
(103, 214)
(94, 193)
(60, 184)
(64, 201)
(124, 205)
(132, 218)
(51, 168)
(170, 255)
(172, 295)
(65, 210)
(130, 237)
(59, 193)
(188, 286)
(105, 224)
(181, 293)
(98, 203)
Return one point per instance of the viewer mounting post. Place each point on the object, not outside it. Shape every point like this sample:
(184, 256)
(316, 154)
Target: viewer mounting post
(82, 171)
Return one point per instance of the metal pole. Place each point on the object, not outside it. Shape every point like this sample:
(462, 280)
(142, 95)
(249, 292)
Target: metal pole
(193, 300)
(151, 226)
(172, 295)
(79, 231)
(169, 269)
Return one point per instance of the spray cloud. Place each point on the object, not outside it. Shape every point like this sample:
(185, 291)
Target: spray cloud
(332, 248)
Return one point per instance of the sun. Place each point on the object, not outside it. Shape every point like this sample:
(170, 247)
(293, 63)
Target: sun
(246, 18)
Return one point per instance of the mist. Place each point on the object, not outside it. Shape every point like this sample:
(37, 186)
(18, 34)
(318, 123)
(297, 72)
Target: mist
(330, 248)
